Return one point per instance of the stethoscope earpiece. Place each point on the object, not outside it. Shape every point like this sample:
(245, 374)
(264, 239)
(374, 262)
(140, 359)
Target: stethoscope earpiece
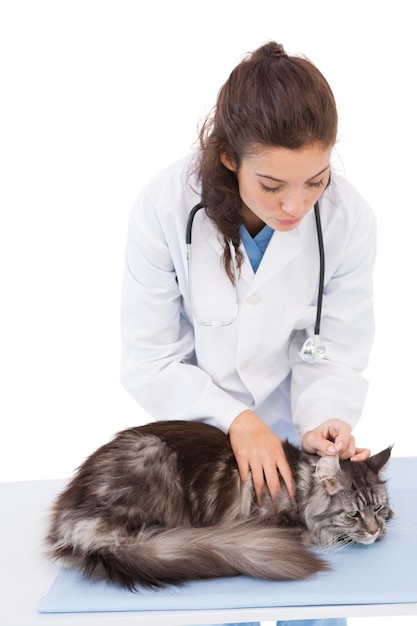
(313, 350)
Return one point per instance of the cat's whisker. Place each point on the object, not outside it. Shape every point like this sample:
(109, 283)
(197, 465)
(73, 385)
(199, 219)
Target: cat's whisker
(337, 544)
(343, 545)
(332, 548)
(398, 525)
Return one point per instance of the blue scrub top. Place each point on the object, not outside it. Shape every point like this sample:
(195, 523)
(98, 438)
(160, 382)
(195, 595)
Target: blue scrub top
(255, 246)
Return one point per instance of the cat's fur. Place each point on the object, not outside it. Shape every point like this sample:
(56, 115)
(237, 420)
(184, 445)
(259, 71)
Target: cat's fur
(163, 503)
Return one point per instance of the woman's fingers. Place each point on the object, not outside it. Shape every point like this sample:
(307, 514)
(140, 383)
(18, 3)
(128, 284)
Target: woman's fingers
(259, 450)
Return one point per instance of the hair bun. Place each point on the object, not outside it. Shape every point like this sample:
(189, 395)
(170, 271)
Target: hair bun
(272, 50)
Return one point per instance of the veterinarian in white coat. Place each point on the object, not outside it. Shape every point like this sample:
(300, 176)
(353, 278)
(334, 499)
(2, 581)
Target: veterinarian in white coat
(205, 341)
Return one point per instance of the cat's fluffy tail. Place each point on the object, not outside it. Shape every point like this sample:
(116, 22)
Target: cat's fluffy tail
(158, 557)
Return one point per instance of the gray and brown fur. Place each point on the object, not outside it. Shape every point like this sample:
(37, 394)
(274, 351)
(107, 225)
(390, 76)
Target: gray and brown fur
(163, 504)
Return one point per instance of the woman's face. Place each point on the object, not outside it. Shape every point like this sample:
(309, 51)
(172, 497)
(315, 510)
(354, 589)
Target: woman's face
(279, 186)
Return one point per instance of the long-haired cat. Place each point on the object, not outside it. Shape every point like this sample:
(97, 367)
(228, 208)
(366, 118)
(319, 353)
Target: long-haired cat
(163, 504)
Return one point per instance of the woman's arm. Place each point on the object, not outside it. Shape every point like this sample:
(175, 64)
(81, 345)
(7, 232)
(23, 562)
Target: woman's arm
(335, 388)
(157, 362)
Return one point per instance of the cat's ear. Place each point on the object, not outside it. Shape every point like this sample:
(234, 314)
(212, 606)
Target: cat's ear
(377, 462)
(328, 474)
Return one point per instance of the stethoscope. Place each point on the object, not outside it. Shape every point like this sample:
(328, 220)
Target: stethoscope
(313, 348)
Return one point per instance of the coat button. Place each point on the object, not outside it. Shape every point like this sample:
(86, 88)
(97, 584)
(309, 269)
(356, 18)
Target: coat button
(254, 299)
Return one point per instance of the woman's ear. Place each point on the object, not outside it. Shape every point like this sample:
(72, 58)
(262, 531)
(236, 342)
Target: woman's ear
(227, 161)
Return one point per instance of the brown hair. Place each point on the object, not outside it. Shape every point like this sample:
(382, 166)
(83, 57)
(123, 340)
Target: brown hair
(271, 99)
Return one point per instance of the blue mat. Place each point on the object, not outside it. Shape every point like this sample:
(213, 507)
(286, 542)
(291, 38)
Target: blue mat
(382, 573)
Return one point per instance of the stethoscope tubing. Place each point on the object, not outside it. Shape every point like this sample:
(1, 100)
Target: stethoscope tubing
(313, 349)
(321, 270)
(190, 221)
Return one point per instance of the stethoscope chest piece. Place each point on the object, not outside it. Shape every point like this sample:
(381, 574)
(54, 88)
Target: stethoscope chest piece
(313, 350)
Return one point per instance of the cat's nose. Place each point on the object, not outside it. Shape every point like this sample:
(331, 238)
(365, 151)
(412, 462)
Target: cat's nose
(372, 527)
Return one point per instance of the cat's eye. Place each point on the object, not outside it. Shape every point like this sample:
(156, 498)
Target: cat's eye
(353, 514)
(378, 507)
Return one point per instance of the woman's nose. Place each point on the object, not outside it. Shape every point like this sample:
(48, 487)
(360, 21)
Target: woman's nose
(294, 206)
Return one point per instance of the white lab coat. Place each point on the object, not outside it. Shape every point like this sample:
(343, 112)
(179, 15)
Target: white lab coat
(179, 369)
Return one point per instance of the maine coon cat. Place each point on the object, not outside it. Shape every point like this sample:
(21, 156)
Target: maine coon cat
(163, 504)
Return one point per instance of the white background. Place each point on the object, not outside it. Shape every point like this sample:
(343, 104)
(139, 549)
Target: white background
(98, 96)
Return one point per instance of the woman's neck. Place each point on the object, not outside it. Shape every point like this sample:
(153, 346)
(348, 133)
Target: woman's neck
(252, 222)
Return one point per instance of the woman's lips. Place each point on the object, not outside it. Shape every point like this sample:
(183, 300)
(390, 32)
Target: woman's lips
(290, 222)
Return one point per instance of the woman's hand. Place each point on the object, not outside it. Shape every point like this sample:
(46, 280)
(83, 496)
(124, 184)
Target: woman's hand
(334, 437)
(259, 450)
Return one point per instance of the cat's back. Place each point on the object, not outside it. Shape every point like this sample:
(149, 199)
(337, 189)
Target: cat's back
(189, 440)
(200, 450)
(164, 473)
(205, 465)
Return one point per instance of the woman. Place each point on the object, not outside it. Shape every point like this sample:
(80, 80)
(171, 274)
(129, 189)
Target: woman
(220, 339)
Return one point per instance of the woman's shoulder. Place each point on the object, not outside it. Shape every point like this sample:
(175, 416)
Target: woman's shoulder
(174, 190)
(344, 204)
(180, 175)
(343, 192)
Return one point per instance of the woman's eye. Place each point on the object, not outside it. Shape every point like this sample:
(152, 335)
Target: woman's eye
(317, 185)
(270, 189)
(353, 514)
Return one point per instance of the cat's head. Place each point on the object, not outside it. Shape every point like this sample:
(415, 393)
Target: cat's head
(351, 500)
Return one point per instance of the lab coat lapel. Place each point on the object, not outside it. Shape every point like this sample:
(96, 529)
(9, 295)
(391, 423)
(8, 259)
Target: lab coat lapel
(281, 250)
(246, 272)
